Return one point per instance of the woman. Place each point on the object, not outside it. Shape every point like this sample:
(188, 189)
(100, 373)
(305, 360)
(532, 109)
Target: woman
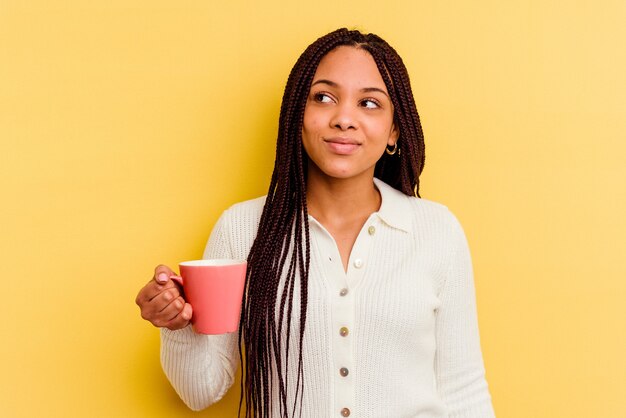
(359, 298)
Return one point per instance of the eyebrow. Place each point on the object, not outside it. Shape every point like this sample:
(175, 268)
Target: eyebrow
(364, 90)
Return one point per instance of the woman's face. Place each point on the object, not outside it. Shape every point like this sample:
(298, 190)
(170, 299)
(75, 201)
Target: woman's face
(348, 118)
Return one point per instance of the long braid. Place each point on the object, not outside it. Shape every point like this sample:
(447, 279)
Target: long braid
(404, 177)
(280, 255)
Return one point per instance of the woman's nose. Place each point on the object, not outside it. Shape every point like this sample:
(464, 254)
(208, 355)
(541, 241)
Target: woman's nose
(344, 118)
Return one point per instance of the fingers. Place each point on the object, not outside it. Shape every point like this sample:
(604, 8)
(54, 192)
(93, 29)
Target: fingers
(170, 303)
(175, 315)
(171, 309)
(162, 274)
(168, 309)
(181, 320)
(159, 282)
(154, 298)
(187, 312)
(162, 303)
(153, 289)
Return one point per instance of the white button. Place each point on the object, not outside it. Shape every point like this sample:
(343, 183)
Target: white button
(343, 292)
(358, 263)
(371, 230)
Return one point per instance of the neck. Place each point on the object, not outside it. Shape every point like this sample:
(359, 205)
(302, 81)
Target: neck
(332, 200)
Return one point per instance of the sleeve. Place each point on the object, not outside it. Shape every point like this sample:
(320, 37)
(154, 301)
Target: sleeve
(459, 368)
(202, 368)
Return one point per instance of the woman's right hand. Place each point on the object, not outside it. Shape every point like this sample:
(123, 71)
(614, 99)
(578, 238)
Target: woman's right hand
(162, 303)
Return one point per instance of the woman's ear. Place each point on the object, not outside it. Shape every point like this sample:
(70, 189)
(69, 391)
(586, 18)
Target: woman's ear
(394, 134)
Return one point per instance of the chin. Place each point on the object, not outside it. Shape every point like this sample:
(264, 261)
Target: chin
(340, 169)
(342, 173)
(337, 172)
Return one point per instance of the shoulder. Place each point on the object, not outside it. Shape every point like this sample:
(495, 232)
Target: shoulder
(247, 209)
(425, 210)
(235, 230)
(242, 217)
(439, 219)
(248, 206)
(412, 213)
(431, 207)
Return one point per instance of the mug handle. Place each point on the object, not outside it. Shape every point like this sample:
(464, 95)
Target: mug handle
(177, 279)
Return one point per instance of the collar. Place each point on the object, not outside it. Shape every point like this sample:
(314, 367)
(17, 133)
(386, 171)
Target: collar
(395, 207)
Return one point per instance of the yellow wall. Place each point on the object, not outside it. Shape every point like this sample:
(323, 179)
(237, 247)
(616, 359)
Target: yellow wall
(126, 127)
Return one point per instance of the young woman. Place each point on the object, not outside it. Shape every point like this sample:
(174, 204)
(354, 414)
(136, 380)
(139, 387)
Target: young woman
(359, 298)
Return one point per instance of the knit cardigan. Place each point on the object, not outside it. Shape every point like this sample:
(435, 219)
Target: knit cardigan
(396, 335)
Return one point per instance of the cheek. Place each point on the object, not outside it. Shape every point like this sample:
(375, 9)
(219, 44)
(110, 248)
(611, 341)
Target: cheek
(307, 139)
(310, 124)
(311, 131)
(390, 132)
(380, 133)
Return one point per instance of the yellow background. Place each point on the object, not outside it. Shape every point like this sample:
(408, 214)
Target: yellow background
(126, 128)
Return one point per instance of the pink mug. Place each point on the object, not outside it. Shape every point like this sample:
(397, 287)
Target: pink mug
(214, 289)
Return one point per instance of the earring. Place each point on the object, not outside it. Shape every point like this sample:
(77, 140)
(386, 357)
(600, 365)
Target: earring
(393, 150)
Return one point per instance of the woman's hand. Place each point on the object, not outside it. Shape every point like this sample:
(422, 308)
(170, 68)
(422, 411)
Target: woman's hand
(162, 303)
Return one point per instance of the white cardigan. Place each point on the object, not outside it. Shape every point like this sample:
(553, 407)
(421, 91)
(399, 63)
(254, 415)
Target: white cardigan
(395, 336)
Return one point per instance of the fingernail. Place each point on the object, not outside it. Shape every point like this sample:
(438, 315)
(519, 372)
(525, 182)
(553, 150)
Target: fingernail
(185, 316)
(162, 278)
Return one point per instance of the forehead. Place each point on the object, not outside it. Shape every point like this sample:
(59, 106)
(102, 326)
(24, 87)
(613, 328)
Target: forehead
(347, 65)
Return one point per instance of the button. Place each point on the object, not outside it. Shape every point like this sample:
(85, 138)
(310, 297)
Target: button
(358, 263)
(343, 372)
(343, 331)
(371, 230)
(345, 412)
(343, 292)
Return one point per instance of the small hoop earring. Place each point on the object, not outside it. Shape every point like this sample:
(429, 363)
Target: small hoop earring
(393, 150)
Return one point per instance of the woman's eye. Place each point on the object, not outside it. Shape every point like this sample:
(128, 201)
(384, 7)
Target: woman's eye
(322, 98)
(370, 104)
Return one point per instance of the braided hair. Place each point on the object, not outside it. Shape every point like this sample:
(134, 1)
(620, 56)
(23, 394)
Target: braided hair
(280, 255)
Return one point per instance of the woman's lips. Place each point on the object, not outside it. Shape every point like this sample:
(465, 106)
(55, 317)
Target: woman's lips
(342, 146)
